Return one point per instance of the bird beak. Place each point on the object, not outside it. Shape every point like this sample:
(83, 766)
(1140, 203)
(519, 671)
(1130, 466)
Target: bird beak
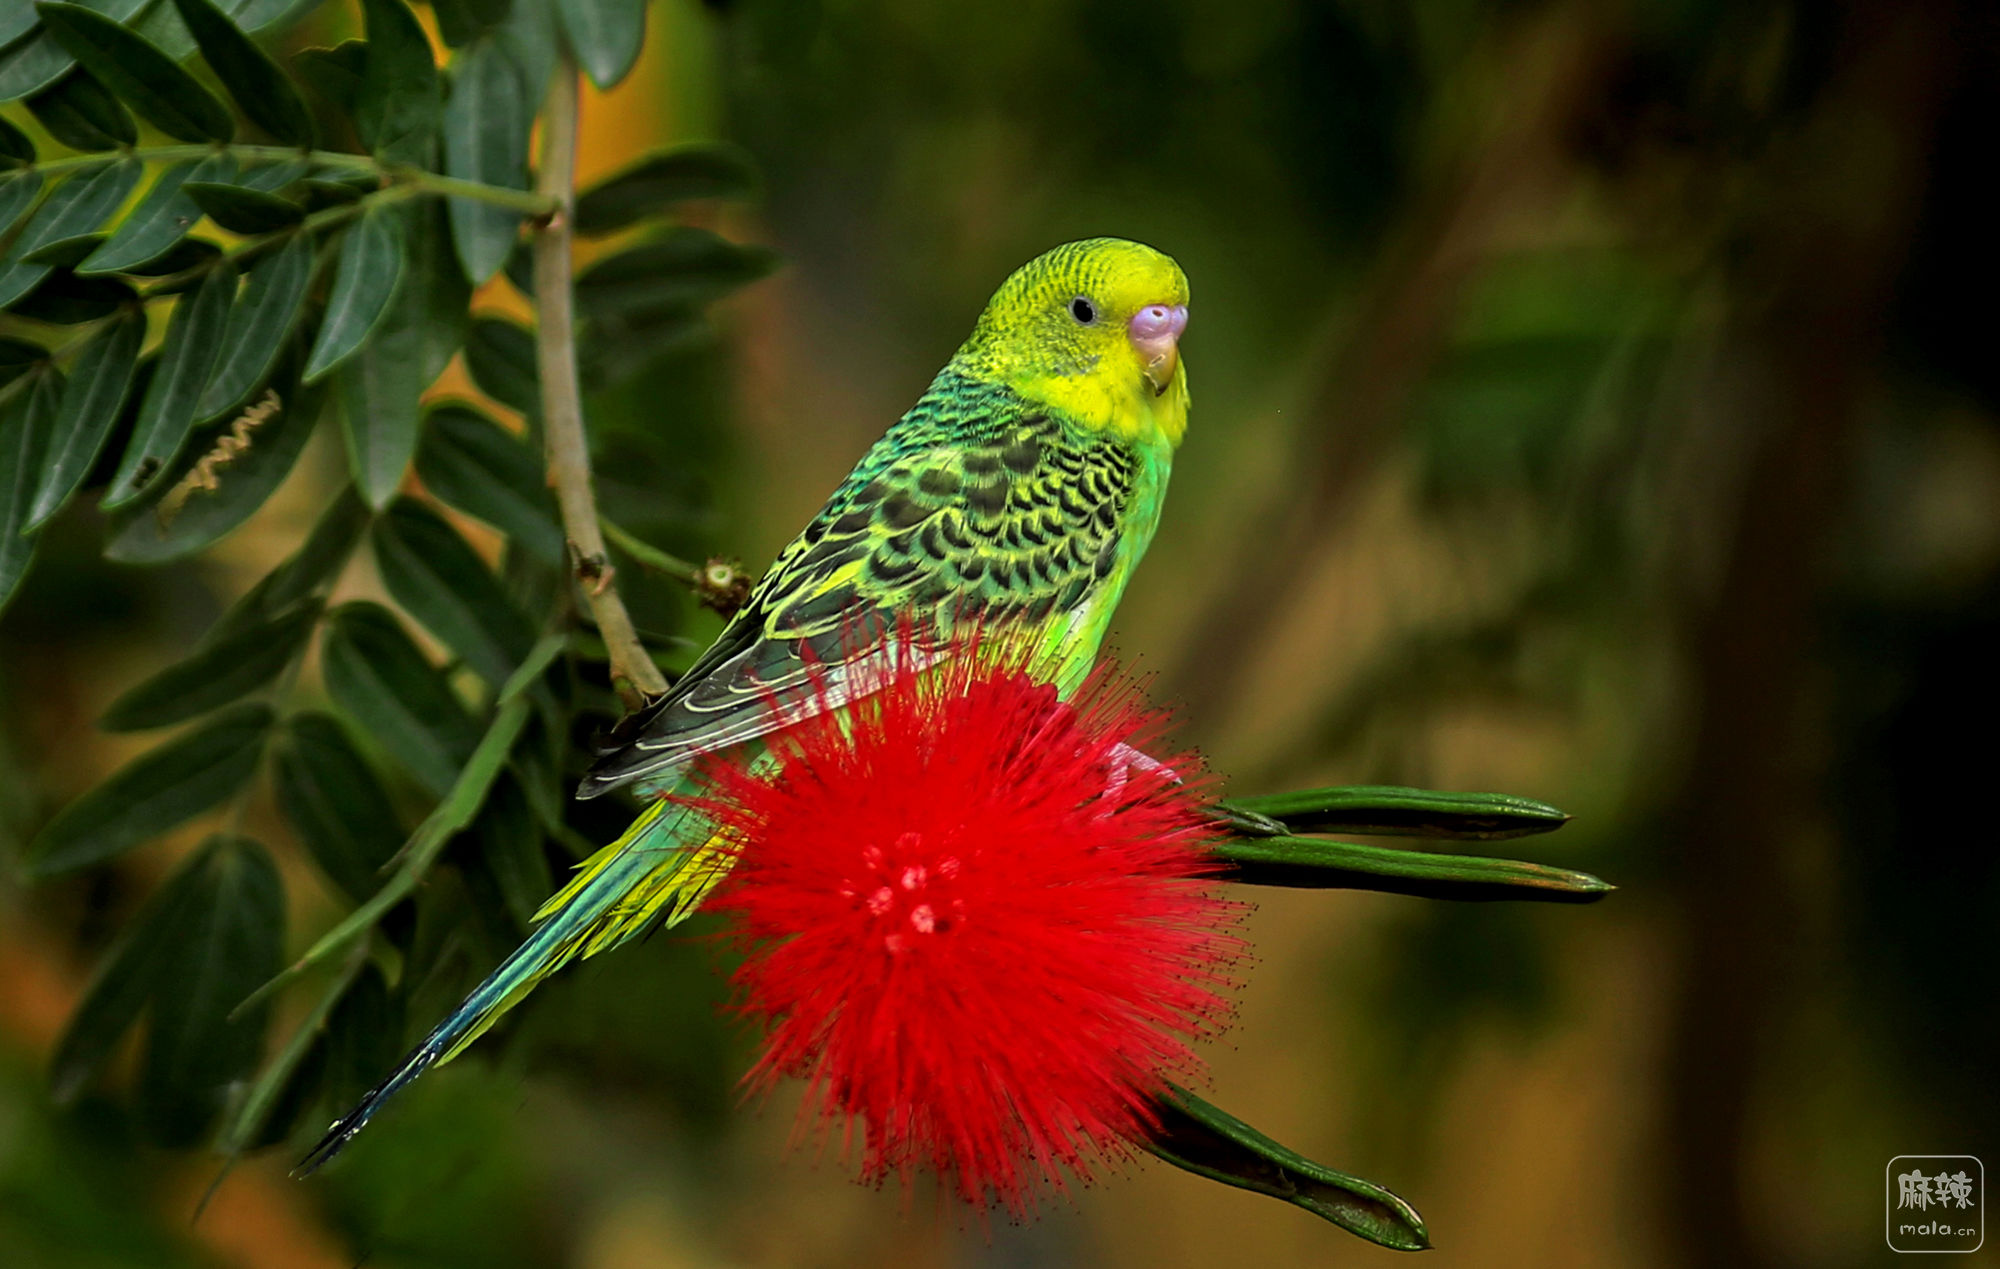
(1155, 332)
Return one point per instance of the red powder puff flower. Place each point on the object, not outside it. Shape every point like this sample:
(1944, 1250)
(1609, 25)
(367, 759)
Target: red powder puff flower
(974, 922)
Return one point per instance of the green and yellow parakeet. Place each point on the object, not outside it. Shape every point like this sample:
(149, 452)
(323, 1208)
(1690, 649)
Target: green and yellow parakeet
(1018, 494)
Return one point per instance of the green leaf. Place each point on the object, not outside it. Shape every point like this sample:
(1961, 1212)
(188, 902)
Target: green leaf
(162, 218)
(91, 402)
(143, 76)
(371, 265)
(655, 183)
(304, 572)
(509, 844)
(462, 21)
(17, 195)
(441, 581)
(126, 11)
(606, 34)
(364, 1036)
(482, 469)
(260, 322)
(192, 256)
(1391, 810)
(330, 794)
(243, 210)
(380, 387)
(160, 26)
(335, 73)
(231, 940)
(255, 15)
(154, 529)
(436, 311)
(1210, 1142)
(17, 357)
(15, 22)
(65, 253)
(15, 147)
(682, 268)
(377, 676)
(154, 793)
(1318, 863)
(187, 356)
(453, 812)
(318, 195)
(123, 985)
(77, 206)
(30, 65)
(486, 125)
(620, 348)
(218, 674)
(273, 176)
(379, 392)
(351, 180)
(61, 297)
(18, 281)
(291, 1079)
(79, 112)
(533, 666)
(27, 414)
(500, 356)
(529, 35)
(396, 104)
(266, 94)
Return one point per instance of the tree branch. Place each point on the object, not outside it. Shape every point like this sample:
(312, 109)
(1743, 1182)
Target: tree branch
(633, 673)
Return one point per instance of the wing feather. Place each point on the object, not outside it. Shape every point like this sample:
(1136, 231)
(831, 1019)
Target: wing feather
(982, 511)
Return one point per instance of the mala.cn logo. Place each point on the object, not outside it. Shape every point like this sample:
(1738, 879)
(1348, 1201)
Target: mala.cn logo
(1935, 1203)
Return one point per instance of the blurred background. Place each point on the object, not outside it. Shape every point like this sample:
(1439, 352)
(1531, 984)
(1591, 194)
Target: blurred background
(1595, 400)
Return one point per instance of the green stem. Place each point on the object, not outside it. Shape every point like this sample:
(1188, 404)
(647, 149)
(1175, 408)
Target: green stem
(719, 585)
(519, 200)
(648, 555)
(248, 249)
(404, 182)
(249, 1118)
(523, 201)
(453, 814)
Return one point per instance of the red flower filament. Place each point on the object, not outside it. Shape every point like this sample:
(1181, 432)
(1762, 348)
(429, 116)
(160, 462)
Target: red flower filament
(975, 925)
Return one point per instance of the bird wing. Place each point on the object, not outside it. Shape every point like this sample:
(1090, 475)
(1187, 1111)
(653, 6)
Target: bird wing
(1012, 523)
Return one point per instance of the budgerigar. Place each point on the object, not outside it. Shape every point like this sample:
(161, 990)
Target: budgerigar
(1018, 494)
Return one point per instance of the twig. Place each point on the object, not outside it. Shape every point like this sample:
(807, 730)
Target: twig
(719, 584)
(414, 860)
(394, 173)
(648, 555)
(632, 671)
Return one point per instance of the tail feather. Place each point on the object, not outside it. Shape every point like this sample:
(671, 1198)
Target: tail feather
(656, 874)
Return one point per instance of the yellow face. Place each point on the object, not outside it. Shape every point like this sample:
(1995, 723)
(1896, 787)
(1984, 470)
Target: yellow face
(1092, 328)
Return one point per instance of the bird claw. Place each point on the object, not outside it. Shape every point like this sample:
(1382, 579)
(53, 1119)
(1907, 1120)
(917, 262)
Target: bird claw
(1124, 761)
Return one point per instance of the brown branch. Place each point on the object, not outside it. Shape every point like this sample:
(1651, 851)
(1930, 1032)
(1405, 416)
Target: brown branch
(632, 671)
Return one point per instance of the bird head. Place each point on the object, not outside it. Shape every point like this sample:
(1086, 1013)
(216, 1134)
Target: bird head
(1091, 328)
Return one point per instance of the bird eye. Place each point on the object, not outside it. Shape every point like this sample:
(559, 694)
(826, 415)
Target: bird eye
(1083, 310)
